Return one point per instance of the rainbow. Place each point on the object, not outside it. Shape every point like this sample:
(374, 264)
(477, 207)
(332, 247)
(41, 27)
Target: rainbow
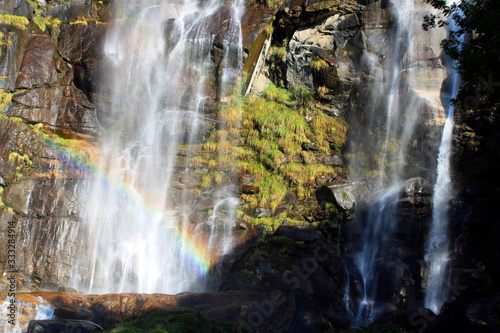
(78, 156)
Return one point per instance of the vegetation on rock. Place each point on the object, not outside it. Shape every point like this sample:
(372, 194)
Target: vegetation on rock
(19, 22)
(278, 153)
(183, 321)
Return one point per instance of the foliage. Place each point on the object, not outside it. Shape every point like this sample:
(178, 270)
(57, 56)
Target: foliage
(319, 63)
(47, 22)
(275, 134)
(183, 321)
(273, 249)
(303, 96)
(19, 22)
(278, 53)
(2, 204)
(264, 137)
(478, 61)
(74, 149)
(5, 98)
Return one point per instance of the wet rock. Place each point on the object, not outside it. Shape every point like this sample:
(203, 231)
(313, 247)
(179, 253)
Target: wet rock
(17, 195)
(12, 55)
(309, 146)
(298, 234)
(64, 109)
(417, 191)
(70, 10)
(338, 22)
(254, 20)
(263, 212)
(17, 7)
(347, 193)
(335, 160)
(38, 66)
(82, 45)
(43, 197)
(316, 55)
(63, 326)
(249, 189)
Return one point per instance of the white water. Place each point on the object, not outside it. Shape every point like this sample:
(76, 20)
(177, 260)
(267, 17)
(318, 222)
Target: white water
(140, 235)
(398, 126)
(438, 245)
(382, 222)
(25, 311)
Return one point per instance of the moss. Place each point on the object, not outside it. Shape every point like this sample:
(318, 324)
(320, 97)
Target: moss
(182, 321)
(258, 255)
(22, 162)
(280, 95)
(2, 204)
(303, 95)
(19, 22)
(17, 158)
(80, 20)
(247, 274)
(47, 22)
(269, 148)
(273, 3)
(278, 53)
(79, 151)
(319, 64)
(331, 209)
(5, 98)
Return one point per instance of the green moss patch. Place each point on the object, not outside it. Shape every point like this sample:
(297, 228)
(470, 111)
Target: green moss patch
(278, 142)
(183, 321)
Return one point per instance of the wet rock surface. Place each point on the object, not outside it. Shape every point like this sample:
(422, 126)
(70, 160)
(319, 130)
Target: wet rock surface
(294, 279)
(63, 326)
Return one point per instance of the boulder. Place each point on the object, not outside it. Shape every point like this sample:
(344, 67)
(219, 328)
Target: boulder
(347, 193)
(63, 326)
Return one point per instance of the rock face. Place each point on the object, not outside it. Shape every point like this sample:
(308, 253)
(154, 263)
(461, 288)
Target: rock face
(399, 261)
(50, 123)
(295, 279)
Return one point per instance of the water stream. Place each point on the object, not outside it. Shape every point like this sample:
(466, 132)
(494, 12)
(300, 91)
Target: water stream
(36, 309)
(158, 76)
(438, 245)
(402, 114)
(399, 120)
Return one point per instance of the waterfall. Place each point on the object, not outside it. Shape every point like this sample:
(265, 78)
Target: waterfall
(36, 309)
(399, 116)
(438, 245)
(151, 104)
(398, 122)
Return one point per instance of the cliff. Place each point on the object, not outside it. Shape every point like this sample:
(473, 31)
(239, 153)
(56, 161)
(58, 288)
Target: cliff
(301, 148)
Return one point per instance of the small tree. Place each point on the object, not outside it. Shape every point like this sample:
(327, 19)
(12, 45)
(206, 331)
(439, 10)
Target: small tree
(478, 59)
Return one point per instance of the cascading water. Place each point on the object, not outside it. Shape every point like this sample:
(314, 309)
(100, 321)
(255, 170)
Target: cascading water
(141, 238)
(37, 309)
(380, 220)
(402, 106)
(438, 245)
